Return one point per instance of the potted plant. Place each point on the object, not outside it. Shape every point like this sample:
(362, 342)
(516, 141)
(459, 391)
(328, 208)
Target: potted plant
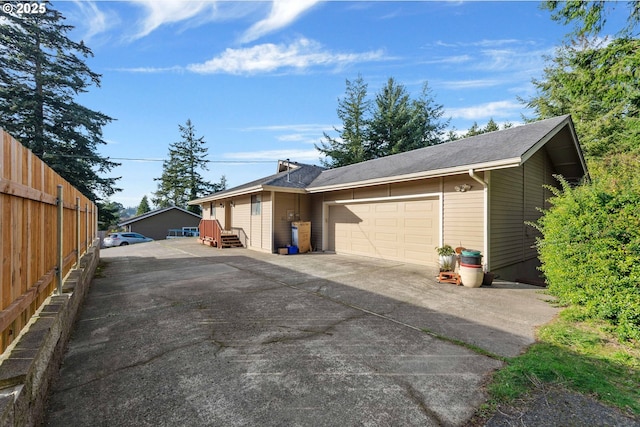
(447, 257)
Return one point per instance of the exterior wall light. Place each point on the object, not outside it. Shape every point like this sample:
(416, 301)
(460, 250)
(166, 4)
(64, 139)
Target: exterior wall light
(462, 188)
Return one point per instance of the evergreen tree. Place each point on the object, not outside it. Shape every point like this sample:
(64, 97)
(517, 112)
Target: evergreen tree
(426, 122)
(473, 130)
(109, 214)
(42, 71)
(390, 127)
(392, 123)
(589, 17)
(143, 207)
(599, 87)
(491, 126)
(353, 109)
(181, 180)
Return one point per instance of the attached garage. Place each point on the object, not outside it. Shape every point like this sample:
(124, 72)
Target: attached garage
(403, 230)
(478, 193)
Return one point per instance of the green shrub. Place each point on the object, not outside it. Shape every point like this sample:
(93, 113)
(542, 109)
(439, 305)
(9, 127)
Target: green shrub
(590, 244)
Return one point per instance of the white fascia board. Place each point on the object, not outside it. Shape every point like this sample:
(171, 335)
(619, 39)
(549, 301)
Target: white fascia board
(284, 189)
(500, 164)
(538, 145)
(226, 195)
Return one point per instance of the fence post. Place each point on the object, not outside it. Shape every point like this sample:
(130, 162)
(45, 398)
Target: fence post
(77, 232)
(86, 219)
(59, 268)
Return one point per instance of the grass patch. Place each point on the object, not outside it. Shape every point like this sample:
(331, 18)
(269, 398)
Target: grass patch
(100, 269)
(579, 355)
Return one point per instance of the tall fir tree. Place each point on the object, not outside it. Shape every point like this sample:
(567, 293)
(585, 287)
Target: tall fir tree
(181, 180)
(390, 127)
(143, 207)
(391, 123)
(42, 71)
(353, 110)
(589, 17)
(427, 126)
(597, 85)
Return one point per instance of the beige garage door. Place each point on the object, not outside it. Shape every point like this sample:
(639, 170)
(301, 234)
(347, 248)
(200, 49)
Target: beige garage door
(396, 230)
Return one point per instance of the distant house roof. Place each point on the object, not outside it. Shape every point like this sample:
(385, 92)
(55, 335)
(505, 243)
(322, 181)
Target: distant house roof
(154, 213)
(505, 148)
(291, 177)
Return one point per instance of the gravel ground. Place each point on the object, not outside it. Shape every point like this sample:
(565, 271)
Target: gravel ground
(556, 406)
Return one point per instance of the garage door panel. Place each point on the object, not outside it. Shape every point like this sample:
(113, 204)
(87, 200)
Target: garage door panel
(386, 237)
(386, 207)
(418, 223)
(386, 222)
(419, 207)
(398, 230)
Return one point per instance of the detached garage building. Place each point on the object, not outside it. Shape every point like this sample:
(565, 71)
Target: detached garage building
(157, 223)
(477, 192)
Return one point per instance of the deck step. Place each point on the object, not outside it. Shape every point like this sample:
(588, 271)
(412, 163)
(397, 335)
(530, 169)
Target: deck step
(231, 241)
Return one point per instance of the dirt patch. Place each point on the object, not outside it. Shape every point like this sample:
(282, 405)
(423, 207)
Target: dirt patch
(557, 406)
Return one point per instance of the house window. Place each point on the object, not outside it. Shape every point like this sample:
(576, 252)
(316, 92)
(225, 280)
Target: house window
(255, 204)
(212, 210)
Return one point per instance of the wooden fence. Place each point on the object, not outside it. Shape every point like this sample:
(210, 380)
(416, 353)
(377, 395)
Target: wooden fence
(45, 226)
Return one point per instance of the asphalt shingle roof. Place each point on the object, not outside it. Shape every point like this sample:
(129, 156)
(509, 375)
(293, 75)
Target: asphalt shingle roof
(484, 148)
(300, 176)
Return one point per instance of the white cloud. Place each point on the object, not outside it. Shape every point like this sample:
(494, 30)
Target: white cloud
(92, 19)
(470, 84)
(283, 13)
(162, 12)
(457, 59)
(300, 55)
(301, 128)
(294, 155)
(190, 13)
(497, 109)
(150, 70)
(480, 43)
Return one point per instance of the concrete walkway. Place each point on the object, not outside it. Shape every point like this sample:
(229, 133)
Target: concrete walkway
(178, 334)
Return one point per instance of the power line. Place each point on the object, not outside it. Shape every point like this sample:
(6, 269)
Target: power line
(133, 159)
(208, 161)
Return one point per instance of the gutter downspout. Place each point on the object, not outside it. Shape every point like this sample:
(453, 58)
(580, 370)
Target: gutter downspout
(485, 185)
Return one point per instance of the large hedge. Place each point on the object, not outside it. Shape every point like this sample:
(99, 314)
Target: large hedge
(590, 244)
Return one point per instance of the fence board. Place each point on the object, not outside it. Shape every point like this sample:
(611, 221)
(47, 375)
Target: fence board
(28, 225)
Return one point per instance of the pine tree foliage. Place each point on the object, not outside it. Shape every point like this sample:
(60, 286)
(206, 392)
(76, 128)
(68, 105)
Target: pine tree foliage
(392, 123)
(42, 71)
(143, 207)
(353, 110)
(491, 126)
(390, 128)
(600, 87)
(181, 180)
(589, 17)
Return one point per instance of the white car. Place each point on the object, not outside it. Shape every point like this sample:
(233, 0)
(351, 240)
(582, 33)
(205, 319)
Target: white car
(124, 239)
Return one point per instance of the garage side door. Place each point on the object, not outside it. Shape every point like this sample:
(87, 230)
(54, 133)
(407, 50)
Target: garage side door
(395, 230)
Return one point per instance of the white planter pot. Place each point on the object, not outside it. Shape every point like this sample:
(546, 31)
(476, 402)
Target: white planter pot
(448, 262)
(471, 277)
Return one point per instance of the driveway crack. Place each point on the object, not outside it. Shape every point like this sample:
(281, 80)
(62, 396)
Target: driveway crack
(141, 363)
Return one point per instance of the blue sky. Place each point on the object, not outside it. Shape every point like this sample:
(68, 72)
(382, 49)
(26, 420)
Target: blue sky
(261, 80)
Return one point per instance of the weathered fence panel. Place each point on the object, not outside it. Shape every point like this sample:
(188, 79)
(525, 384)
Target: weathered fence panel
(28, 234)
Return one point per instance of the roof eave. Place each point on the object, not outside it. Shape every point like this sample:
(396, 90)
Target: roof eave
(284, 189)
(500, 164)
(226, 195)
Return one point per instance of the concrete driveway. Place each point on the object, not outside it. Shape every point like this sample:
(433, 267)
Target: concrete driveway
(178, 334)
